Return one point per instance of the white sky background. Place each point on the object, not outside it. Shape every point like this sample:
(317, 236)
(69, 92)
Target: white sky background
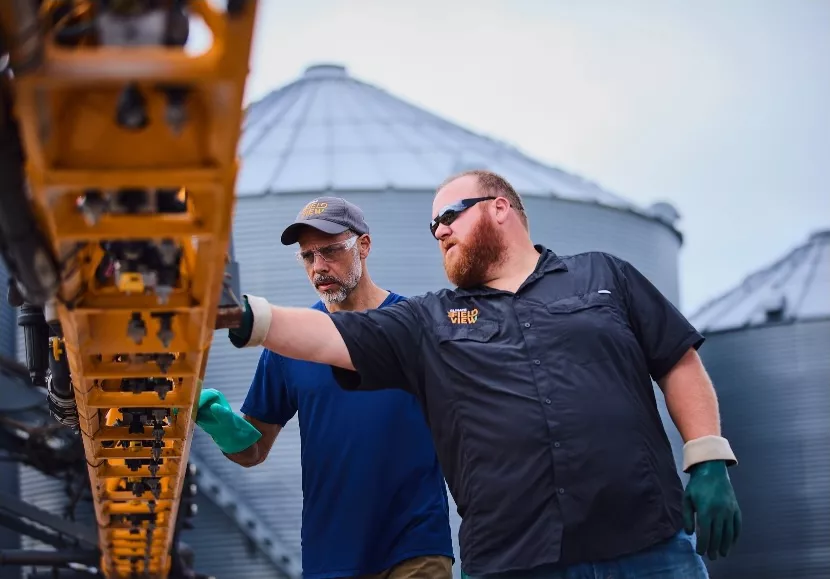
(721, 107)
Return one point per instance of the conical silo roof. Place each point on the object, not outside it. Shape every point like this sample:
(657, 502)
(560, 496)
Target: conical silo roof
(794, 288)
(327, 132)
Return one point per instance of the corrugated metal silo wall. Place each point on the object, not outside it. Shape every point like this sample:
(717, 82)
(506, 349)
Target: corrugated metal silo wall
(223, 552)
(404, 259)
(773, 385)
(8, 470)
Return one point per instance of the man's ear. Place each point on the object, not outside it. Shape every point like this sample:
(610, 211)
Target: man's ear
(365, 244)
(502, 209)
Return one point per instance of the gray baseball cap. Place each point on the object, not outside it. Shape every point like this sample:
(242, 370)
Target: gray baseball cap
(330, 215)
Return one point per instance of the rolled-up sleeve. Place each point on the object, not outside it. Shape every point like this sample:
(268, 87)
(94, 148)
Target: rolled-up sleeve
(385, 347)
(664, 333)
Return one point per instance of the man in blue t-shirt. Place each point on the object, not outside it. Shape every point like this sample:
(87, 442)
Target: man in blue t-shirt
(374, 497)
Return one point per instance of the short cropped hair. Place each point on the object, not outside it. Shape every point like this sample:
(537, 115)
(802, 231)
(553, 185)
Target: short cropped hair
(493, 184)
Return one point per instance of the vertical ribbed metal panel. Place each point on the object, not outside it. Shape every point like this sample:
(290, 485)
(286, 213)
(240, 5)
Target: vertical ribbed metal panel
(404, 259)
(773, 384)
(8, 471)
(221, 550)
(50, 494)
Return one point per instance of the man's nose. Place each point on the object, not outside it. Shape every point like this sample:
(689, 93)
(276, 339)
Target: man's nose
(443, 231)
(320, 265)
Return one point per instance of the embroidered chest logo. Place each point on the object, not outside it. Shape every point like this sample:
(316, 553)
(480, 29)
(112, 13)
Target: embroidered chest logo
(314, 208)
(463, 316)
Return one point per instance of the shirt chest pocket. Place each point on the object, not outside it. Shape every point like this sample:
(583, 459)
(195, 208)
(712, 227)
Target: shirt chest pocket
(467, 347)
(587, 328)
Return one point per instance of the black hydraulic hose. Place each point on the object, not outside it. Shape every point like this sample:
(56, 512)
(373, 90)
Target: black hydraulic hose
(24, 557)
(22, 244)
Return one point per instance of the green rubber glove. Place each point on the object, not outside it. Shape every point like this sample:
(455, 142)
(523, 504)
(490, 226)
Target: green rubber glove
(710, 495)
(240, 336)
(230, 432)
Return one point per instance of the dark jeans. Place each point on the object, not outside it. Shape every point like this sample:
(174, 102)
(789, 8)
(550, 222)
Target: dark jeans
(674, 558)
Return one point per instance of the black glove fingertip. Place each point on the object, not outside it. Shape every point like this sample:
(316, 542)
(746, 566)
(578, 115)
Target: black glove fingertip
(237, 340)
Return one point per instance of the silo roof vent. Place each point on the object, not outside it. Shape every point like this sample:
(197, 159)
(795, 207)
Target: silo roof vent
(794, 288)
(325, 71)
(665, 212)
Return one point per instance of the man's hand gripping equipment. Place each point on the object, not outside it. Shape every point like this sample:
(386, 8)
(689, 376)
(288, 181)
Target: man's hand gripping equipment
(229, 431)
(252, 328)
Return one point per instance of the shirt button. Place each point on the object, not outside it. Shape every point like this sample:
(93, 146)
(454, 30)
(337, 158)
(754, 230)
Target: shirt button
(537, 362)
(547, 400)
(527, 324)
(561, 491)
(556, 444)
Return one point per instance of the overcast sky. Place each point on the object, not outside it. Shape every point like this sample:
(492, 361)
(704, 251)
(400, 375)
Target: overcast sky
(717, 106)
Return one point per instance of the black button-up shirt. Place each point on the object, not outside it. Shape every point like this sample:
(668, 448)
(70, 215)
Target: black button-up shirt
(541, 406)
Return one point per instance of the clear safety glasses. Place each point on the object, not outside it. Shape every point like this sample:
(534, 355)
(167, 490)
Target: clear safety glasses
(328, 253)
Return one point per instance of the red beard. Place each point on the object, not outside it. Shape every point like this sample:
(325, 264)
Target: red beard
(471, 261)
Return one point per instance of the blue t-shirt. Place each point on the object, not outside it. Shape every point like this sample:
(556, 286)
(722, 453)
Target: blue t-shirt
(373, 492)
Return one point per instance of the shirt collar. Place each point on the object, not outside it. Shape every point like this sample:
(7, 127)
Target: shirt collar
(548, 262)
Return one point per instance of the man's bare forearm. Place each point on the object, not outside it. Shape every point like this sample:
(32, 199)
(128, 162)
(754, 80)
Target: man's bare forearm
(249, 457)
(693, 406)
(306, 334)
(691, 399)
(257, 452)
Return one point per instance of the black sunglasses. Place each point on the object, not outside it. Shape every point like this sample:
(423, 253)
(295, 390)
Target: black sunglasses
(451, 212)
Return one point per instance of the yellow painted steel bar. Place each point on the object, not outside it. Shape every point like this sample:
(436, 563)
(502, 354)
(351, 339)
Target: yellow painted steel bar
(65, 108)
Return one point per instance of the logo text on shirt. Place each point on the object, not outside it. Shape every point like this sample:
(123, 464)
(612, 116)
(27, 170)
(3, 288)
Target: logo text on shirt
(463, 315)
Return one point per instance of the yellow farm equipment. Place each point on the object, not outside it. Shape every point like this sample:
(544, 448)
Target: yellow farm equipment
(117, 186)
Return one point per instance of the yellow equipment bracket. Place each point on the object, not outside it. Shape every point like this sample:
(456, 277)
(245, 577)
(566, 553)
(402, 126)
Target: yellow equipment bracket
(73, 144)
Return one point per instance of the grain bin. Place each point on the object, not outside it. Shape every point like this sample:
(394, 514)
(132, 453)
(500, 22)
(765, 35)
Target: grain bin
(768, 353)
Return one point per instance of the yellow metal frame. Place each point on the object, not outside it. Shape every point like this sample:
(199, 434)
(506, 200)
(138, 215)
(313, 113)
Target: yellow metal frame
(72, 142)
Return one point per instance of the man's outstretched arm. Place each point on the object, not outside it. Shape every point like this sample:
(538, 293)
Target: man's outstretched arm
(299, 333)
(382, 345)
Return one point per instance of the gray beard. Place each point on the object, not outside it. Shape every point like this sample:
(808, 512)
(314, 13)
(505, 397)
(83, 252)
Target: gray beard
(347, 286)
